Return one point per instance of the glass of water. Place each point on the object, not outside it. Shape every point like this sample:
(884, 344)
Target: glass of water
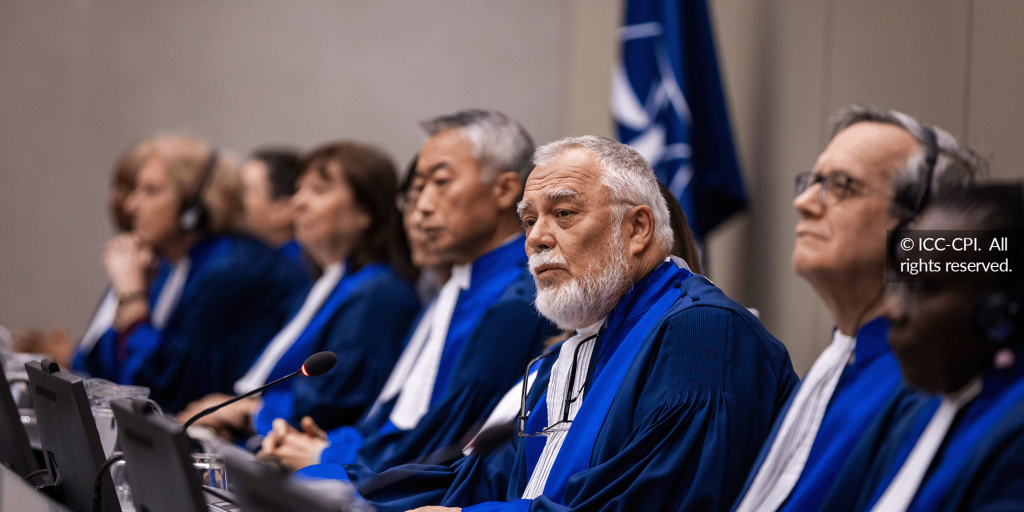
(211, 469)
(101, 392)
(124, 492)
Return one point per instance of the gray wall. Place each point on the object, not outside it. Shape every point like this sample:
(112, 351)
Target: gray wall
(789, 64)
(80, 80)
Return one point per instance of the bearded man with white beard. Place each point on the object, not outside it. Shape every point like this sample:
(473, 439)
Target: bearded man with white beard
(663, 397)
(669, 388)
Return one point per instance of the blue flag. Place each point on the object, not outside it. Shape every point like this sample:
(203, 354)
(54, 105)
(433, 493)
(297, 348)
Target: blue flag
(668, 104)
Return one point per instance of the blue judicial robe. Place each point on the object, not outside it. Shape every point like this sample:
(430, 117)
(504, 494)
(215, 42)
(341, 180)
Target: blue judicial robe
(293, 251)
(868, 389)
(697, 394)
(104, 358)
(237, 295)
(494, 332)
(980, 466)
(364, 322)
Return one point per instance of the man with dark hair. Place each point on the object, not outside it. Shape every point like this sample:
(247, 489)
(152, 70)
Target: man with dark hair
(269, 182)
(879, 169)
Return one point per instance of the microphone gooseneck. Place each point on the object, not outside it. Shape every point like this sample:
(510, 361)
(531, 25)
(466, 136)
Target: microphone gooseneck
(314, 366)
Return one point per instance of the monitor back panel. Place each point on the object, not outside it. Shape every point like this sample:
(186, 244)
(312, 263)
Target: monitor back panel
(15, 451)
(158, 461)
(67, 432)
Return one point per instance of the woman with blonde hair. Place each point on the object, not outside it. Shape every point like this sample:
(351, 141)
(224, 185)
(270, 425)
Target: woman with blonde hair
(216, 298)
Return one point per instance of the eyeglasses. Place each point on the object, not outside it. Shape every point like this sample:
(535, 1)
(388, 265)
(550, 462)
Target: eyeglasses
(834, 185)
(570, 385)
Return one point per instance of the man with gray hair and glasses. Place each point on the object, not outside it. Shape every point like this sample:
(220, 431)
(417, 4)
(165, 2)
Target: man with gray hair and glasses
(473, 340)
(661, 398)
(878, 172)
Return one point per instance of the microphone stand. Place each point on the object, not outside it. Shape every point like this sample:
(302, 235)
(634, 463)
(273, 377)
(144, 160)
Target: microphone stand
(213, 408)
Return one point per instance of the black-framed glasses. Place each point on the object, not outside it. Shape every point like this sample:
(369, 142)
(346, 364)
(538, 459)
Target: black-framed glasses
(834, 185)
(563, 424)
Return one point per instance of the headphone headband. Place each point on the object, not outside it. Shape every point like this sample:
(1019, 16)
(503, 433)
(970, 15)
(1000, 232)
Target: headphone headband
(931, 147)
(193, 214)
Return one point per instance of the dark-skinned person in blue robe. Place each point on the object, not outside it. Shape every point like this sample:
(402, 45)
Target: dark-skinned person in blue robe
(958, 338)
(665, 393)
(473, 340)
(845, 210)
(360, 308)
(220, 298)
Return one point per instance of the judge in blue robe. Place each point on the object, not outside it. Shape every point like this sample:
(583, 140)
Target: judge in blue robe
(844, 203)
(962, 341)
(868, 394)
(494, 331)
(269, 180)
(225, 295)
(665, 443)
(364, 323)
(236, 295)
(668, 388)
(360, 308)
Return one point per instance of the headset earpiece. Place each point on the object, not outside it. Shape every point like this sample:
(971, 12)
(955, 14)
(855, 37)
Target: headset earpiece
(997, 317)
(193, 214)
(931, 156)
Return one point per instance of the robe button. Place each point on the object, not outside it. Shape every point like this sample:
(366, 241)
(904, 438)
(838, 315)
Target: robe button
(677, 283)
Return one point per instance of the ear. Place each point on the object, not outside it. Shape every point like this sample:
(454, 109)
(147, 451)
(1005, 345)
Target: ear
(638, 229)
(363, 220)
(506, 189)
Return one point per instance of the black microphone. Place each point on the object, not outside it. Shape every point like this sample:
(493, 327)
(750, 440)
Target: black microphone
(314, 366)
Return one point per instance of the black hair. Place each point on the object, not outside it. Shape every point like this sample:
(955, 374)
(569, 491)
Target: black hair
(996, 206)
(282, 170)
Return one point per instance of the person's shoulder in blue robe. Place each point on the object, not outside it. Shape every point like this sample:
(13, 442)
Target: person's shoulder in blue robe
(237, 295)
(494, 332)
(366, 329)
(868, 389)
(484, 472)
(293, 251)
(691, 413)
(980, 465)
(108, 357)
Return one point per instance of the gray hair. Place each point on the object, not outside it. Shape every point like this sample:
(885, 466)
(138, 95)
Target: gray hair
(955, 166)
(626, 174)
(500, 144)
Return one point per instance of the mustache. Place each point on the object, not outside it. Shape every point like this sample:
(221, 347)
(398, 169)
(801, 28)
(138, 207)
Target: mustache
(544, 258)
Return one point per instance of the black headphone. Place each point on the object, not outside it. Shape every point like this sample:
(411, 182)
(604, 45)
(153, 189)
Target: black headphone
(931, 146)
(193, 214)
(997, 316)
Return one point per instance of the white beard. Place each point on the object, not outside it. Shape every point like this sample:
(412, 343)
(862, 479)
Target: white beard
(584, 299)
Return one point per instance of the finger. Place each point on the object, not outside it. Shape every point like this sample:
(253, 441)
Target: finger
(281, 427)
(270, 443)
(311, 428)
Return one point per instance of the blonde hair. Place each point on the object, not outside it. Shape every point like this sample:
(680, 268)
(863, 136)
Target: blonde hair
(185, 159)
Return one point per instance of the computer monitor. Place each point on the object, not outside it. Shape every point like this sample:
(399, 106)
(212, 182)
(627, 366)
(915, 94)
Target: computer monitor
(15, 451)
(68, 435)
(18, 496)
(158, 460)
(262, 488)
